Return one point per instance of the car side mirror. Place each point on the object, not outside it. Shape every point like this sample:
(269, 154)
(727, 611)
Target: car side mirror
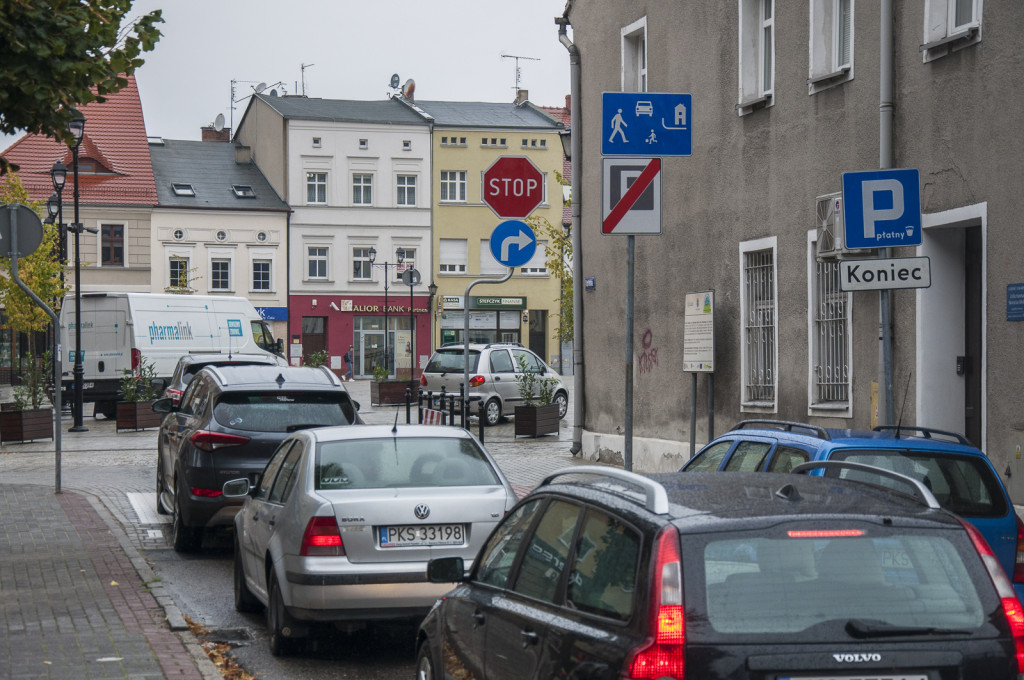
(446, 570)
(164, 405)
(236, 488)
(279, 346)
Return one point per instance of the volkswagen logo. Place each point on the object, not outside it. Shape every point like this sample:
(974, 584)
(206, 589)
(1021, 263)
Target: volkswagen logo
(422, 511)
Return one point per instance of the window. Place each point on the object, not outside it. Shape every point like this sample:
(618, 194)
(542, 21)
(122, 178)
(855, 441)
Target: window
(710, 458)
(261, 275)
(604, 567)
(406, 145)
(261, 236)
(950, 25)
(494, 142)
(453, 141)
(540, 570)
(830, 337)
(499, 554)
(178, 235)
(177, 268)
(316, 259)
(758, 301)
(243, 191)
(537, 266)
(634, 57)
(316, 187)
(112, 245)
(831, 44)
(757, 54)
(316, 142)
(361, 267)
(489, 265)
(747, 457)
(182, 189)
(220, 274)
(408, 262)
(221, 235)
(453, 186)
(362, 189)
(407, 190)
(453, 255)
(363, 144)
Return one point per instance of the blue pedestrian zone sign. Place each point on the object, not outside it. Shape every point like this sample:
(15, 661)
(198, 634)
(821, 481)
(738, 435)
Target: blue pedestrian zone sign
(882, 208)
(646, 124)
(513, 243)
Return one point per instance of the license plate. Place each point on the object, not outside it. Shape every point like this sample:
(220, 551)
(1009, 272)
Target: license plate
(884, 676)
(421, 535)
(88, 385)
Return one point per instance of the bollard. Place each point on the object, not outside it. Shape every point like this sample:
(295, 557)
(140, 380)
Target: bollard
(480, 419)
(408, 406)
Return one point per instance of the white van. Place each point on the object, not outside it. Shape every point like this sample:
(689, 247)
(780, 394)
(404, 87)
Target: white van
(119, 329)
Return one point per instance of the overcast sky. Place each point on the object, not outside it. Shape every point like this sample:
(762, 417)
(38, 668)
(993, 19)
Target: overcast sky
(452, 49)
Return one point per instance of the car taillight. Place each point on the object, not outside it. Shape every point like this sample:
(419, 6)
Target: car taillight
(211, 441)
(477, 381)
(661, 655)
(206, 493)
(1018, 563)
(322, 538)
(1011, 605)
(175, 395)
(136, 359)
(423, 380)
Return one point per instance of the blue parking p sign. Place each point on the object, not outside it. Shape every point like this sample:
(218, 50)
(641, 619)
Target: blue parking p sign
(882, 208)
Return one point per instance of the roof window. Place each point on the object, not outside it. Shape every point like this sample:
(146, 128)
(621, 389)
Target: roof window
(182, 189)
(243, 191)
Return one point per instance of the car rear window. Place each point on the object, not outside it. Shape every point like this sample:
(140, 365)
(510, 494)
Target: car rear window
(402, 462)
(283, 411)
(451, 361)
(844, 586)
(964, 485)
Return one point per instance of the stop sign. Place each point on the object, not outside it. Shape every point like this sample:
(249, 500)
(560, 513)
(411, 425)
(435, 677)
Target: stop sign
(513, 187)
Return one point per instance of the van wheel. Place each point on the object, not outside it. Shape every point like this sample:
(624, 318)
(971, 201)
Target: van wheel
(492, 413)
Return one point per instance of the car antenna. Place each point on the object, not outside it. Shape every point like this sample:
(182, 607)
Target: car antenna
(903, 407)
(394, 430)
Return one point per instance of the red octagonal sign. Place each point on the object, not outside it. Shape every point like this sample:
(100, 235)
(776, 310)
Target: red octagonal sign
(513, 187)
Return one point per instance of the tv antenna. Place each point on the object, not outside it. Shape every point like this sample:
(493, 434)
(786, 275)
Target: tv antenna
(258, 89)
(518, 72)
(303, 68)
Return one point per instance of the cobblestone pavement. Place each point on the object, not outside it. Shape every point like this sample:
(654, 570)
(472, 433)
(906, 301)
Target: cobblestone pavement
(76, 597)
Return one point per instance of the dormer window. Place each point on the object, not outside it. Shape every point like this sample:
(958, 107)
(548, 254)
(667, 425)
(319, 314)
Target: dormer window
(182, 189)
(243, 191)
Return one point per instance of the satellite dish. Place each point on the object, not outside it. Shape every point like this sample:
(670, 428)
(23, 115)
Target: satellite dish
(259, 88)
(218, 123)
(408, 88)
(395, 81)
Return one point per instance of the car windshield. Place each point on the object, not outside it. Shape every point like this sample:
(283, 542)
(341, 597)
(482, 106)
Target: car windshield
(451, 361)
(852, 584)
(401, 462)
(283, 411)
(963, 484)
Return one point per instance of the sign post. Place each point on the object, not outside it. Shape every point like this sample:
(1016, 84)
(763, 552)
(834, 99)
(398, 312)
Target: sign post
(699, 354)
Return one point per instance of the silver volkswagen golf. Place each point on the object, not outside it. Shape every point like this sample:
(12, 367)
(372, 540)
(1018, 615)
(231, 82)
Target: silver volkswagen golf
(343, 521)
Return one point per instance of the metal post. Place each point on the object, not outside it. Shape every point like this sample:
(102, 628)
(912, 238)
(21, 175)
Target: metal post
(412, 341)
(693, 414)
(387, 330)
(630, 251)
(79, 371)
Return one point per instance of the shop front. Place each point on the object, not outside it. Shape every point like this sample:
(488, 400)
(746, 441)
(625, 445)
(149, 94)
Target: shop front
(491, 319)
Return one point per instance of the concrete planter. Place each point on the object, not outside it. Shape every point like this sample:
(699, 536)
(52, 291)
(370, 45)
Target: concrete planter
(137, 415)
(535, 421)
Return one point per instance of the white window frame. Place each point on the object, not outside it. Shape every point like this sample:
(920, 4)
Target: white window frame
(217, 256)
(488, 263)
(325, 259)
(456, 179)
(753, 69)
(538, 264)
(830, 60)
(362, 188)
(770, 354)
(943, 34)
(453, 254)
(253, 261)
(825, 323)
(402, 190)
(408, 261)
(634, 56)
(364, 257)
(317, 179)
(173, 256)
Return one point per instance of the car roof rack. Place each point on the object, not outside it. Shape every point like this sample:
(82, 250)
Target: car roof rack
(785, 426)
(926, 432)
(655, 496)
(504, 344)
(923, 492)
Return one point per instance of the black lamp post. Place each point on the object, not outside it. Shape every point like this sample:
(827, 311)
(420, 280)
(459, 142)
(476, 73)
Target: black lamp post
(401, 258)
(76, 127)
(432, 289)
(55, 206)
(411, 277)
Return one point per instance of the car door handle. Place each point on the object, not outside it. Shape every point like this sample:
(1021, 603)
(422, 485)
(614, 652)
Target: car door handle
(478, 620)
(529, 638)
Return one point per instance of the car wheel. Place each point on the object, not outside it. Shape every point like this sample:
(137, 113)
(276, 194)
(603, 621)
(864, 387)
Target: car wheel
(562, 399)
(245, 601)
(160, 509)
(492, 413)
(185, 539)
(424, 663)
(277, 621)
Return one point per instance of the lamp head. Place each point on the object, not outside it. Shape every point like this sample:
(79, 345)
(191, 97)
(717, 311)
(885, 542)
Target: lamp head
(401, 255)
(432, 289)
(59, 175)
(52, 206)
(566, 138)
(372, 254)
(77, 128)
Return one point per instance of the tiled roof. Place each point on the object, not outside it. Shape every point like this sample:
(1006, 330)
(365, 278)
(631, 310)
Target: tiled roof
(115, 138)
(211, 169)
(487, 114)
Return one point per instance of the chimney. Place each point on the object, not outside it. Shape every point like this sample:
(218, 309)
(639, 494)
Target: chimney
(212, 134)
(568, 102)
(243, 154)
(522, 96)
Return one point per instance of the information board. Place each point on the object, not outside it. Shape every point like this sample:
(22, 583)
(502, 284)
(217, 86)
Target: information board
(699, 332)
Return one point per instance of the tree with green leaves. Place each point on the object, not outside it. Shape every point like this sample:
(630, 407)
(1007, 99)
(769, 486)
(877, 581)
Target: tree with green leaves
(559, 263)
(40, 271)
(60, 54)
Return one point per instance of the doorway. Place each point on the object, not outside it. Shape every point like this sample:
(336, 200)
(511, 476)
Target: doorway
(314, 336)
(539, 333)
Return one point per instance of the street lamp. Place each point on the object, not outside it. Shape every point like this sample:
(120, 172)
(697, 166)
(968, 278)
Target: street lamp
(432, 289)
(59, 175)
(77, 127)
(411, 277)
(401, 258)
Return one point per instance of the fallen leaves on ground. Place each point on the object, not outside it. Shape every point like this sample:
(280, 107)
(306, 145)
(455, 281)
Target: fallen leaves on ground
(219, 654)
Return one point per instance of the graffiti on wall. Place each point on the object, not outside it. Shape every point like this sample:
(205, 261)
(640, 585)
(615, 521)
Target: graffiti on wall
(647, 358)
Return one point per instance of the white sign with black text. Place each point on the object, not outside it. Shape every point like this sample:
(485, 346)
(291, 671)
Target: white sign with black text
(887, 273)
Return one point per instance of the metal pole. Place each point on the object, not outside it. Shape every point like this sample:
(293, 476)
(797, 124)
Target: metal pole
(885, 161)
(465, 340)
(630, 258)
(387, 358)
(693, 413)
(412, 341)
(711, 406)
(79, 371)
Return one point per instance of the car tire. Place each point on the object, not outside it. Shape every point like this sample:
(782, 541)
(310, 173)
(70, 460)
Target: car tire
(277, 621)
(160, 509)
(562, 399)
(492, 413)
(245, 601)
(425, 663)
(184, 539)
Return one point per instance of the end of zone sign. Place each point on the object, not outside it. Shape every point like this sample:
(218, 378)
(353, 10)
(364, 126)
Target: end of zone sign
(631, 196)
(885, 273)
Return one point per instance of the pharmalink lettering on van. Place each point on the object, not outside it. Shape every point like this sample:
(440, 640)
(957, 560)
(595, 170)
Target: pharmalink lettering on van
(179, 331)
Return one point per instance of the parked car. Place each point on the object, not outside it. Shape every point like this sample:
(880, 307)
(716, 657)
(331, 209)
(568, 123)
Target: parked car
(724, 577)
(493, 376)
(227, 424)
(193, 362)
(959, 474)
(341, 523)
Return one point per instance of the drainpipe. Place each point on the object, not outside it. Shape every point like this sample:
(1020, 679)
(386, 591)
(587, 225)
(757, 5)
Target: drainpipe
(885, 161)
(575, 238)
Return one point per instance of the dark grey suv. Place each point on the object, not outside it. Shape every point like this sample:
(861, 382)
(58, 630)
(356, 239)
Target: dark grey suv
(227, 425)
(193, 362)
(747, 576)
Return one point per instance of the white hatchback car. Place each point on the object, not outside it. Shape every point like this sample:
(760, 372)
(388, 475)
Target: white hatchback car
(343, 521)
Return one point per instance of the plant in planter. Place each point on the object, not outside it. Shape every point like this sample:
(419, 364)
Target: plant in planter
(137, 391)
(384, 391)
(537, 415)
(318, 358)
(25, 418)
